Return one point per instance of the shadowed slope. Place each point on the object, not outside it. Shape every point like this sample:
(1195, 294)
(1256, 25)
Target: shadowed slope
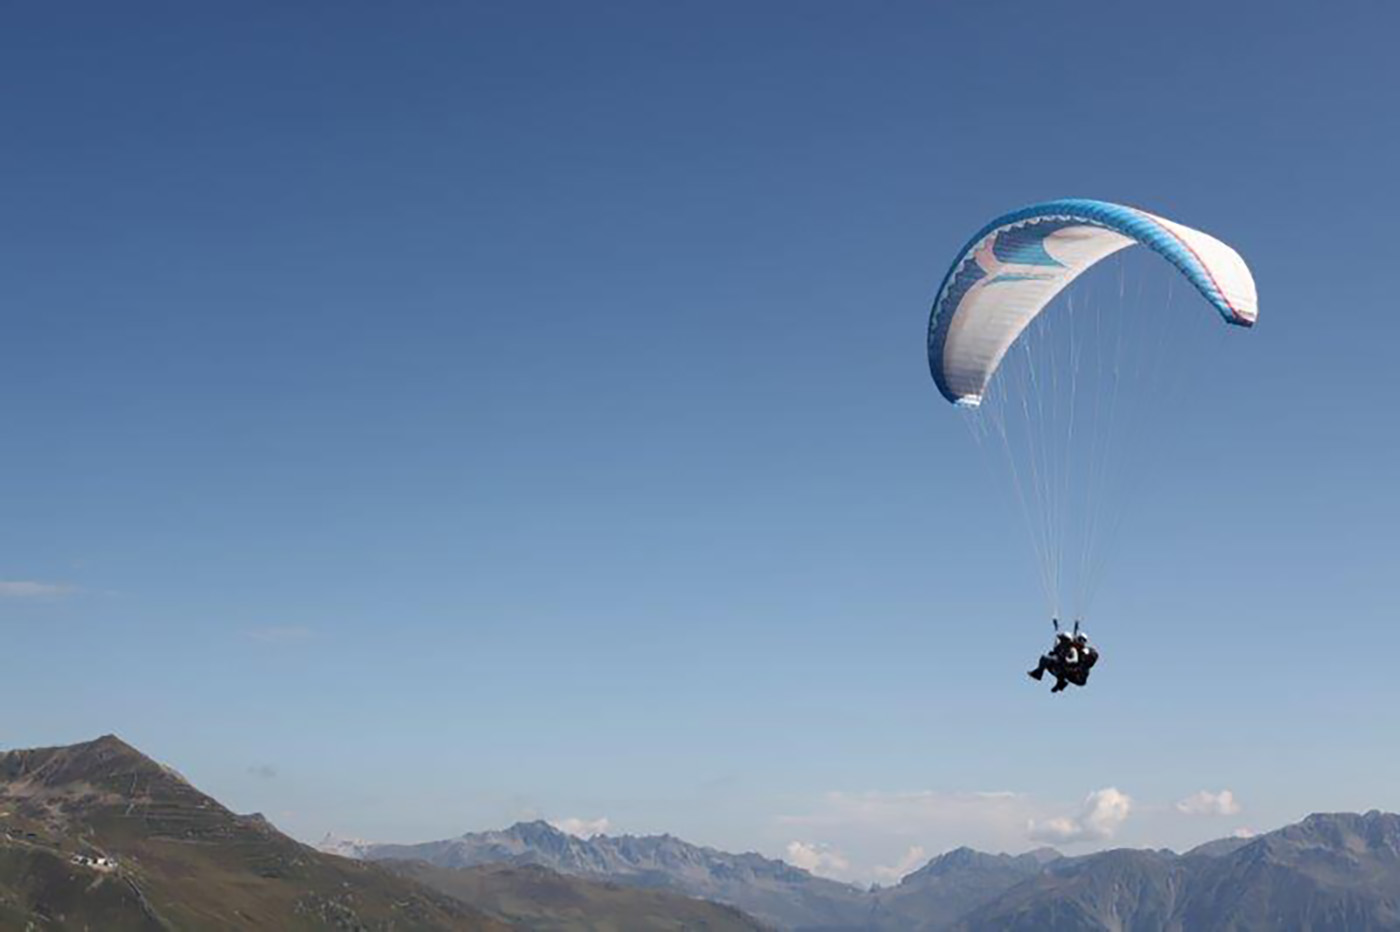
(96, 835)
(542, 899)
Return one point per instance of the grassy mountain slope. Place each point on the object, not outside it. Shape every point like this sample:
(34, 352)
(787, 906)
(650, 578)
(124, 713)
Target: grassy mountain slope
(181, 860)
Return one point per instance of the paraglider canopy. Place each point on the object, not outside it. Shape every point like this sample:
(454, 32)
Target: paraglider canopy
(1018, 263)
(1068, 388)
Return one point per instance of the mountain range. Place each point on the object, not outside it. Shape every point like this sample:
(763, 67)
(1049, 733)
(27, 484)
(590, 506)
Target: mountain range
(96, 836)
(1337, 871)
(771, 890)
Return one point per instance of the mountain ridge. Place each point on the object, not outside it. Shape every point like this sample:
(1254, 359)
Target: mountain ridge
(1335, 871)
(772, 890)
(96, 835)
(1349, 864)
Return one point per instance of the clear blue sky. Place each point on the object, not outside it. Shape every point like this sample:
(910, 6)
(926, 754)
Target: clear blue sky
(421, 418)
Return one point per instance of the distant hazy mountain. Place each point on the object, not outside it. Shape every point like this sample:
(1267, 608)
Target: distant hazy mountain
(771, 890)
(949, 886)
(344, 847)
(542, 900)
(1330, 872)
(1220, 846)
(1337, 872)
(97, 836)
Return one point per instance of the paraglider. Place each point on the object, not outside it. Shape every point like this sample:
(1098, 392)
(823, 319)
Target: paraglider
(1070, 659)
(1059, 428)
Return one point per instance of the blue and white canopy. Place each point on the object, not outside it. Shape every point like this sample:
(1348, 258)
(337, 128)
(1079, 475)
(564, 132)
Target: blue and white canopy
(1018, 263)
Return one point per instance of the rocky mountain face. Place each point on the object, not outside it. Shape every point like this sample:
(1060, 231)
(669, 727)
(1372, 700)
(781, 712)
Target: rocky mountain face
(949, 886)
(1337, 872)
(1122, 889)
(931, 898)
(770, 890)
(1330, 872)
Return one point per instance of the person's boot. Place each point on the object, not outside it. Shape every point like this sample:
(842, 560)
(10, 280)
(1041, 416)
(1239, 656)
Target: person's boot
(1038, 672)
(1058, 687)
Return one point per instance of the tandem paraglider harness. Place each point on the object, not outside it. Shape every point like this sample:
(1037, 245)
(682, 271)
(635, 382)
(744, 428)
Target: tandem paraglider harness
(1069, 660)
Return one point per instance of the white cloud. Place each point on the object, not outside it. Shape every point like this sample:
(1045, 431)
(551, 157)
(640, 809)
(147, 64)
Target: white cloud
(875, 832)
(279, 634)
(582, 828)
(883, 836)
(913, 859)
(1243, 832)
(819, 859)
(29, 589)
(1098, 819)
(1206, 803)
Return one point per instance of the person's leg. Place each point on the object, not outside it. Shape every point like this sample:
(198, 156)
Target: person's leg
(1039, 671)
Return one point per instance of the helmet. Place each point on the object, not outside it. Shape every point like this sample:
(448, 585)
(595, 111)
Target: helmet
(1081, 638)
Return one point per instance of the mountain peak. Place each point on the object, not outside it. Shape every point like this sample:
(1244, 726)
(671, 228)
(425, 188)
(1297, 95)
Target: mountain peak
(772, 890)
(76, 815)
(960, 857)
(109, 740)
(94, 762)
(1351, 834)
(1370, 818)
(353, 848)
(963, 859)
(536, 831)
